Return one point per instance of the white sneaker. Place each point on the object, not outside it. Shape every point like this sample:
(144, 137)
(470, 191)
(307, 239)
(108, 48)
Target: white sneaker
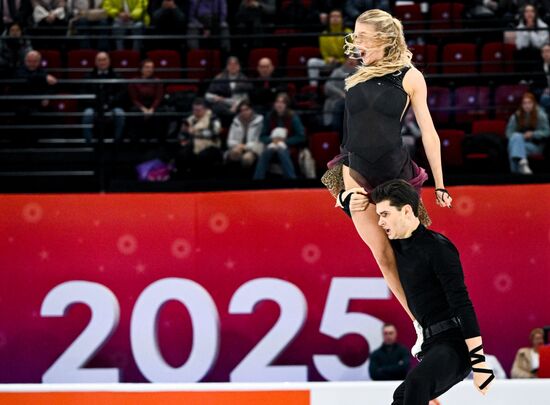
(523, 167)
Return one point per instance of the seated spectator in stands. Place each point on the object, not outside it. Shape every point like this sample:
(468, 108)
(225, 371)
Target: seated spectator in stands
(227, 90)
(527, 132)
(86, 14)
(128, 15)
(199, 136)
(282, 130)
(49, 13)
(331, 47)
(13, 49)
(146, 98)
(354, 8)
(531, 37)
(243, 142)
(333, 110)
(109, 95)
(540, 83)
(14, 11)
(266, 87)
(249, 21)
(297, 13)
(169, 17)
(526, 363)
(495, 365)
(391, 360)
(37, 81)
(208, 18)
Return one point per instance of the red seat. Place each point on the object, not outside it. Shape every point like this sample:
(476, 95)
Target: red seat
(51, 61)
(177, 88)
(258, 53)
(497, 127)
(451, 146)
(205, 63)
(296, 60)
(459, 58)
(507, 99)
(324, 146)
(411, 17)
(471, 102)
(497, 57)
(439, 102)
(425, 58)
(65, 106)
(126, 61)
(167, 63)
(308, 97)
(81, 62)
(444, 16)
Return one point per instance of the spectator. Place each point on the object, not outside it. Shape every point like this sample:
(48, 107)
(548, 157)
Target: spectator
(49, 13)
(527, 130)
(267, 87)
(249, 22)
(333, 110)
(37, 81)
(169, 18)
(13, 49)
(243, 140)
(146, 98)
(227, 90)
(87, 14)
(199, 136)
(14, 11)
(391, 360)
(495, 365)
(541, 81)
(526, 363)
(128, 15)
(354, 8)
(206, 18)
(530, 39)
(331, 47)
(282, 129)
(297, 13)
(109, 97)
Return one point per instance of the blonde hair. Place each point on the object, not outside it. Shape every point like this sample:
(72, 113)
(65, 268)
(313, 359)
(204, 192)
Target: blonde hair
(389, 33)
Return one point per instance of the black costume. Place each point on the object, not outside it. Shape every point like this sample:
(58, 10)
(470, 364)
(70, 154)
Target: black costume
(372, 146)
(431, 274)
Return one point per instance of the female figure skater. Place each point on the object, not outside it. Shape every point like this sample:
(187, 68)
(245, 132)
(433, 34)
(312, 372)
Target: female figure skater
(377, 98)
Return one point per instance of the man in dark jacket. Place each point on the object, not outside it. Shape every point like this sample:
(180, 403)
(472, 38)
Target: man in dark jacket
(391, 360)
(108, 97)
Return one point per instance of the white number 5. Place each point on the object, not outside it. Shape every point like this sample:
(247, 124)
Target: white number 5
(337, 322)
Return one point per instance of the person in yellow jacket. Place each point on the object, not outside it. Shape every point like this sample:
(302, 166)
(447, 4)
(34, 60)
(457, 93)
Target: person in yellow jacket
(127, 15)
(331, 47)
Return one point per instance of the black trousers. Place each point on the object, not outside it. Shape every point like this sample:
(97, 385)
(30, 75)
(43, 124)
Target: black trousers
(446, 362)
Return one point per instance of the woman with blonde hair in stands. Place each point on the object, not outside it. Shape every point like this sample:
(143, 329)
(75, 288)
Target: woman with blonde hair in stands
(526, 363)
(378, 95)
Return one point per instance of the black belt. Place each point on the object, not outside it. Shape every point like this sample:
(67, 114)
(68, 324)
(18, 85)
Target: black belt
(439, 327)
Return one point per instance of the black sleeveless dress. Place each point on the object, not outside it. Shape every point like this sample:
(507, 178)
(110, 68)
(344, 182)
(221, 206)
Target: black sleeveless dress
(372, 146)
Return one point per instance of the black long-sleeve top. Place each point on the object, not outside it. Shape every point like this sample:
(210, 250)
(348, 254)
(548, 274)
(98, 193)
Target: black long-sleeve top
(431, 274)
(389, 362)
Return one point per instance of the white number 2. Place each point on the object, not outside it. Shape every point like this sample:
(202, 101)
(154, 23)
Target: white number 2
(105, 317)
(337, 322)
(256, 366)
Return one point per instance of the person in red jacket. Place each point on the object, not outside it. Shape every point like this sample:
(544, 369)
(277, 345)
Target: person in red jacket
(146, 98)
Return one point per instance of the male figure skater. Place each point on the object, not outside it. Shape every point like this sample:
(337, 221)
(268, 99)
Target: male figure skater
(429, 268)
